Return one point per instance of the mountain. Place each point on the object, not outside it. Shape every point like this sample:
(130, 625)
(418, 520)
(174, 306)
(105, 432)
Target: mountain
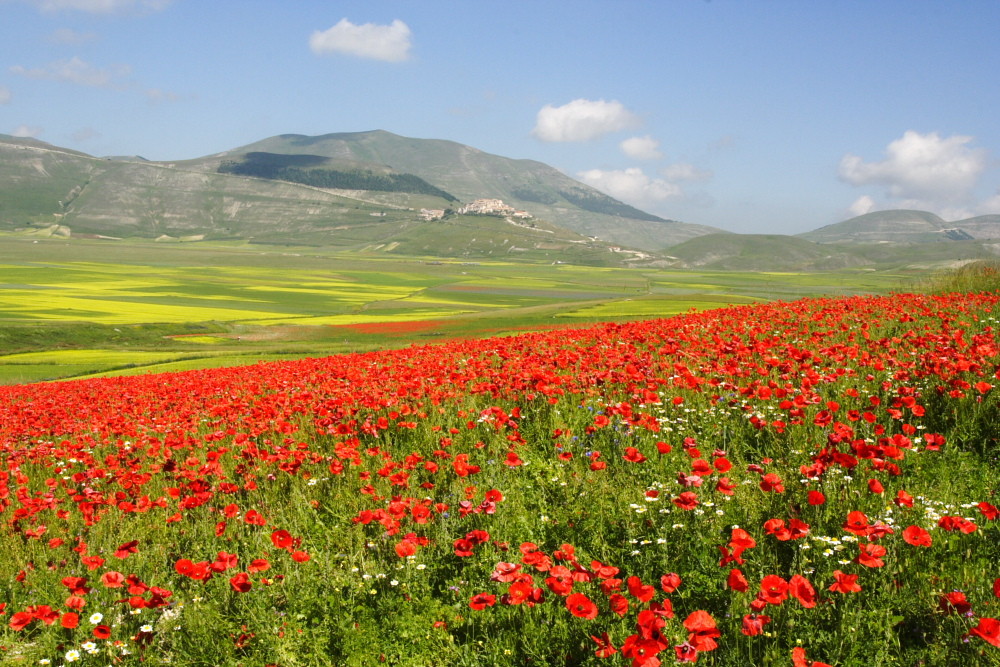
(468, 173)
(905, 226)
(762, 252)
(356, 190)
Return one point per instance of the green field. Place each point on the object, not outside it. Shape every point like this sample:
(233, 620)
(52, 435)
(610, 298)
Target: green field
(74, 308)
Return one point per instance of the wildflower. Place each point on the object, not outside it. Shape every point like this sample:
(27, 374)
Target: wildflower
(753, 624)
(605, 649)
(803, 591)
(988, 630)
(844, 583)
(871, 555)
(773, 589)
(581, 606)
(703, 630)
(799, 659)
(917, 536)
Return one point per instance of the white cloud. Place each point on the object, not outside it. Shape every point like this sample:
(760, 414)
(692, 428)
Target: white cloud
(863, 204)
(27, 131)
(582, 120)
(100, 6)
(390, 43)
(683, 171)
(77, 71)
(632, 186)
(71, 37)
(5, 95)
(641, 148)
(921, 168)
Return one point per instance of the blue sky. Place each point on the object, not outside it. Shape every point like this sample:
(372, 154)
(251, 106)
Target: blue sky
(752, 116)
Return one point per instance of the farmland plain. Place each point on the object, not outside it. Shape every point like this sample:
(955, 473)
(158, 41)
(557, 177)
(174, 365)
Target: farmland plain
(126, 307)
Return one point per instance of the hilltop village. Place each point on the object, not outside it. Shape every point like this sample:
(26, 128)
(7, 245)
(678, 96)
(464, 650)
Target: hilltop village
(495, 207)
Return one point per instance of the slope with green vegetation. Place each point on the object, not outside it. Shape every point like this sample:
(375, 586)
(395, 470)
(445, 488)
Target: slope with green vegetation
(905, 226)
(345, 189)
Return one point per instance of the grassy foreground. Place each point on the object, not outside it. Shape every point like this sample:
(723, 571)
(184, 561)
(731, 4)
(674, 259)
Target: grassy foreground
(801, 483)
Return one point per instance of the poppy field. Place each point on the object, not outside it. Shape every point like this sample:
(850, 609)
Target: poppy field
(798, 483)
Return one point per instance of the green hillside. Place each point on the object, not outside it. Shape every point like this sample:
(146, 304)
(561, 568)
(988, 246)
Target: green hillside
(341, 190)
(895, 226)
(469, 173)
(761, 252)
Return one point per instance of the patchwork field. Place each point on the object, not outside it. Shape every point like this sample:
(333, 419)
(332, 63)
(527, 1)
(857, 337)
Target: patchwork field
(136, 307)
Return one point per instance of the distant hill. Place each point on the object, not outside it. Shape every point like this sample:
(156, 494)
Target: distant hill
(761, 252)
(905, 226)
(469, 173)
(352, 189)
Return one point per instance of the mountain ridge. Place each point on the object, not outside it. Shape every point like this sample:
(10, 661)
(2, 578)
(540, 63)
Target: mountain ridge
(375, 190)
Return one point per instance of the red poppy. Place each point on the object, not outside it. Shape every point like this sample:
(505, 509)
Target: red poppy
(463, 547)
(70, 620)
(560, 580)
(112, 579)
(255, 518)
(102, 632)
(127, 549)
(686, 653)
(871, 555)
(753, 624)
(875, 486)
(988, 630)
(640, 591)
(664, 609)
(741, 540)
(955, 600)
(844, 583)
(725, 486)
(917, 536)
(803, 591)
(581, 606)
(21, 620)
(481, 601)
(903, 499)
(737, 582)
(240, 582)
(670, 582)
(702, 629)
(856, 523)
(771, 482)
(961, 524)
(773, 589)
(280, 538)
(989, 511)
(996, 588)
(618, 604)
(633, 455)
(799, 659)
(505, 572)
(687, 500)
(643, 650)
(816, 498)
(258, 565)
(405, 548)
(605, 649)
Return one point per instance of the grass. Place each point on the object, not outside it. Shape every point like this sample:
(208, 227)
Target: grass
(250, 301)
